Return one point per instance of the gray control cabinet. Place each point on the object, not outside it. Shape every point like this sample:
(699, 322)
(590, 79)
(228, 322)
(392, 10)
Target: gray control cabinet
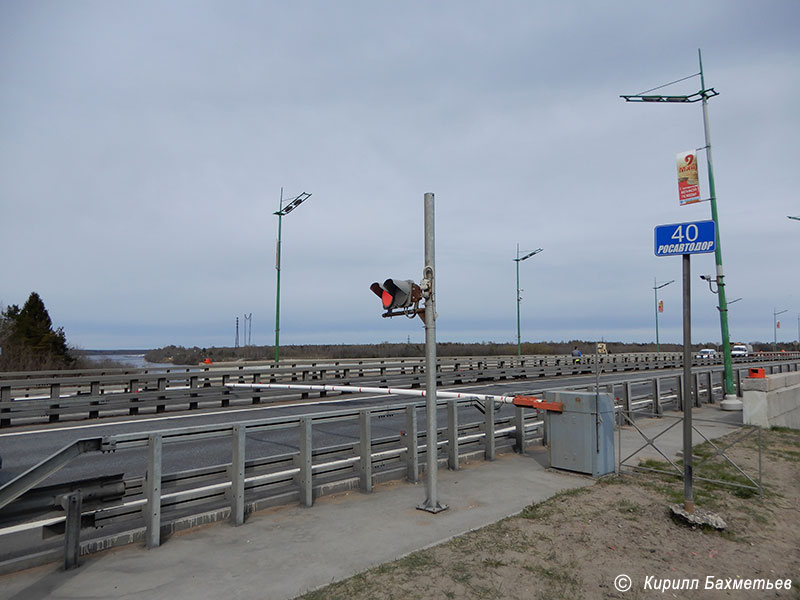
(581, 438)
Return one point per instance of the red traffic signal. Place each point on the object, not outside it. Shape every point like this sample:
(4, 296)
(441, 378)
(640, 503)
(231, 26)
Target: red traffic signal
(384, 295)
(397, 293)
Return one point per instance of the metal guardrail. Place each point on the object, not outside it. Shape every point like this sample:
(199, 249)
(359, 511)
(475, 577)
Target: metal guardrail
(162, 503)
(50, 396)
(167, 502)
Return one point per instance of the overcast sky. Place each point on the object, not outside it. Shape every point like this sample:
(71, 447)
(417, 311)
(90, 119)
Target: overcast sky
(144, 145)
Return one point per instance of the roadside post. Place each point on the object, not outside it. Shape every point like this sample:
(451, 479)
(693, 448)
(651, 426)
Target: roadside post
(401, 297)
(685, 239)
(431, 503)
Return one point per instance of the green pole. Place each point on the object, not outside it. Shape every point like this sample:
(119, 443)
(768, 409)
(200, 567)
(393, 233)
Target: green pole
(519, 330)
(730, 389)
(655, 293)
(278, 286)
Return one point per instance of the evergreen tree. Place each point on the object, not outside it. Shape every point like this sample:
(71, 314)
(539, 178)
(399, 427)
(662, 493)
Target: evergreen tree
(29, 341)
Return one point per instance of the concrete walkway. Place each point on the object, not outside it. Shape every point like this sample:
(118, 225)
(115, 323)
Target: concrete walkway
(284, 552)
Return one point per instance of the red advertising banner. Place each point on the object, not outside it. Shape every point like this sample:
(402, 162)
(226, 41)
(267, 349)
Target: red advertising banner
(688, 179)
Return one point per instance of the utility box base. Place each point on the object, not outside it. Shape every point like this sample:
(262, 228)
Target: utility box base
(582, 436)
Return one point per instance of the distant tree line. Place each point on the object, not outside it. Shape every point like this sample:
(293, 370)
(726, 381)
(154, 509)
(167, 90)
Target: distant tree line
(180, 355)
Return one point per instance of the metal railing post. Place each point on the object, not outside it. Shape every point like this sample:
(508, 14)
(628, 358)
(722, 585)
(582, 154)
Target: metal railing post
(236, 474)
(488, 429)
(94, 391)
(133, 389)
(696, 389)
(658, 410)
(412, 451)
(152, 510)
(627, 391)
(5, 402)
(519, 428)
(452, 434)
(710, 382)
(162, 387)
(305, 476)
(73, 505)
(55, 396)
(365, 451)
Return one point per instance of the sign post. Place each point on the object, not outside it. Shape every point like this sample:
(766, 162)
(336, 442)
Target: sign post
(685, 239)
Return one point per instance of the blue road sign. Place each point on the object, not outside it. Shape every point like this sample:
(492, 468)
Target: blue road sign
(685, 238)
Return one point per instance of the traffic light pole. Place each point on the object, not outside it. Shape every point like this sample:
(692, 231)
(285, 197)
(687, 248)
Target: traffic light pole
(432, 447)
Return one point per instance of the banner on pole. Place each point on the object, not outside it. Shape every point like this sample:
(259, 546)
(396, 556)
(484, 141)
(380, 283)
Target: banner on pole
(688, 178)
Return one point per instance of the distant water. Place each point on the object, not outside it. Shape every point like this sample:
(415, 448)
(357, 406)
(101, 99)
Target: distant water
(136, 361)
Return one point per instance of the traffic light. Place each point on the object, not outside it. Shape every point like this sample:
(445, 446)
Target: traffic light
(397, 294)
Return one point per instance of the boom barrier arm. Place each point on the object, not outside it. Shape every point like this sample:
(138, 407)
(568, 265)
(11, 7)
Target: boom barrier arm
(527, 401)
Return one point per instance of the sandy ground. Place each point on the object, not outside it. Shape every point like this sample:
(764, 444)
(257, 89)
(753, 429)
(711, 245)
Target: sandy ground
(584, 543)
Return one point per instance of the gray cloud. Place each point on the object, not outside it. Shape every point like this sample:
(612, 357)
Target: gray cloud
(143, 148)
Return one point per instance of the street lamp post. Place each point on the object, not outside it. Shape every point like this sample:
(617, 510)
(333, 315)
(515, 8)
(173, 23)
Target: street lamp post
(519, 298)
(775, 313)
(282, 212)
(730, 402)
(657, 287)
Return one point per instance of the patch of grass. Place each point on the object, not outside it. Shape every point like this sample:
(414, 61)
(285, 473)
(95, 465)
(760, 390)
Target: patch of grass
(424, 559)
(490, 538)
(789, 430)
(612, 479)
(550, 506)
(461, 572)
(707, 465)
(630, 510)
(562, 582)
(662, 484)
(492, 563)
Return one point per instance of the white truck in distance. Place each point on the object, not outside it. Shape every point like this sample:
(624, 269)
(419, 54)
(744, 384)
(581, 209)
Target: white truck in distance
(741, 350)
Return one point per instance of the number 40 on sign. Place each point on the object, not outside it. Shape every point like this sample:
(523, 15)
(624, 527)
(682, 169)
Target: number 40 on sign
(676, 239)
